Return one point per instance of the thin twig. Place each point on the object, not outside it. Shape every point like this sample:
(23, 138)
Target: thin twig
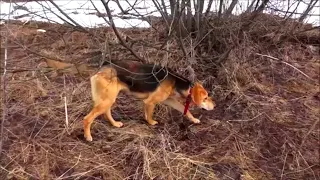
(62, 12)
(65, 21)
(65, 103)
(246, 120)
(273, 58)
(310, 130)
(78, 160)
(105, 19)
(143, 17)
(35, 13)
(283, 166)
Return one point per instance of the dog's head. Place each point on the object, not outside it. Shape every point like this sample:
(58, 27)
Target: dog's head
(201, 98)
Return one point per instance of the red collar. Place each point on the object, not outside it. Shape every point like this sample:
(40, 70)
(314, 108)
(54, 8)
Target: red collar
(188, 101)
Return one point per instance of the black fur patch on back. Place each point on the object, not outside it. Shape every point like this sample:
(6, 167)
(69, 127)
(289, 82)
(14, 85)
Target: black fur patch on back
(145, 78)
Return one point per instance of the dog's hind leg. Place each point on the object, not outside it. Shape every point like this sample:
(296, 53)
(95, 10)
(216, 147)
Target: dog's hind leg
(95, 112)
(109, 117)
(105, 88)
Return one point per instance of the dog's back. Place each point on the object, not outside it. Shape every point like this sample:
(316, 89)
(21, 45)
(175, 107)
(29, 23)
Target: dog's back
(144, 78)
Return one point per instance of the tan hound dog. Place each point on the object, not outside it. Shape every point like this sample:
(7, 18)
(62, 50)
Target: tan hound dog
(152, 84)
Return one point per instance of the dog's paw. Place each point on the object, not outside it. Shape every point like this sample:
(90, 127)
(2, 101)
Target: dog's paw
(152, 122)
(88, 138)
(195, 120)
(117, 124)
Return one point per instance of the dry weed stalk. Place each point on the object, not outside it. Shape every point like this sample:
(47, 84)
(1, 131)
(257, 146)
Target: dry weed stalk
(65, 104)
(4, 90)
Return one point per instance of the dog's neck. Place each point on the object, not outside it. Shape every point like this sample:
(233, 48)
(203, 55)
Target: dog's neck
(183, 86)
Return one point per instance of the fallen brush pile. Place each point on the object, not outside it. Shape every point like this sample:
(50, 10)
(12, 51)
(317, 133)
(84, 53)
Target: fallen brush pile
(265, 126)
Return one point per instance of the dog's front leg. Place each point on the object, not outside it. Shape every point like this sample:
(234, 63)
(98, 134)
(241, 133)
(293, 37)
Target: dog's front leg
(148, 110)
(179, 107)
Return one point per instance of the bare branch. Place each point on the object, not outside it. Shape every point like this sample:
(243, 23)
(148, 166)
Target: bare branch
(209, 7)
(220, 8)
(198, 16)
(189, 15)
(105, 19)
(172, 6)
(116, 31)
(141, 16)
(309, 8)
(231, 7)
(62, 12)
(120, 7)
(261, 7)
(256, 7)
(157, 5)
(64, 20)
(249, 9)
(131, 6)
(164, 8)
(293, 10)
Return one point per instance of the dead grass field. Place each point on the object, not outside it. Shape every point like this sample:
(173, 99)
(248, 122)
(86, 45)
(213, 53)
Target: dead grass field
(265, 126)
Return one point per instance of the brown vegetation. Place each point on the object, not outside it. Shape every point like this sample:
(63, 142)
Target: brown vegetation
(265, 126)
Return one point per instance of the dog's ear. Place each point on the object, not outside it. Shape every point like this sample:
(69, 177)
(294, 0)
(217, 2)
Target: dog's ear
(198, 93)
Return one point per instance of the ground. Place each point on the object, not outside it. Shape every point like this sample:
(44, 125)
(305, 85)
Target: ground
(265, 126)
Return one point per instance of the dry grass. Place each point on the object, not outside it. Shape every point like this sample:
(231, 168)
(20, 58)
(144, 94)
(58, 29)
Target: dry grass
(266, 124)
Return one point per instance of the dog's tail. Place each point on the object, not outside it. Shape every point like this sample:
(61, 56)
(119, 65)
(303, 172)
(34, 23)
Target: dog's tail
(58, 64)
(85, 69)
(69, 68)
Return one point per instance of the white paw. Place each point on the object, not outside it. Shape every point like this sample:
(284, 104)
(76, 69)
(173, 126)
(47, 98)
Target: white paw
(117, 124)
(196, 121)
(88, 138)
(152, 122)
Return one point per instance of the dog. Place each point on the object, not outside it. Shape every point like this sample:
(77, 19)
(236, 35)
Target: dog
(148, 82)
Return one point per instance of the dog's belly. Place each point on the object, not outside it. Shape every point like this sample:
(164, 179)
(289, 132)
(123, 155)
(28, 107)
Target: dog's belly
(137, 95)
